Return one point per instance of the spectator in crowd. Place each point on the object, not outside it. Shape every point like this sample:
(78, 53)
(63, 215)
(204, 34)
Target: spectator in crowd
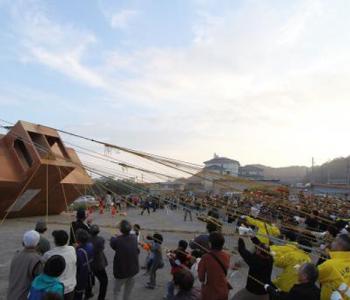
(126, 260)
(108, 200)
(179, 259)
(335, 272)
(286, 257)
(44, 244)
(196, 255)
(25, 266)
(156, 258)
(201, 242)
(68, 277)
(312, 222)
(260, 265)
(85, 256)
(184, 280)
(137, 231)
(305, 289)
(212, 270)
(78, 224)
(187, 211)
(99, 263)
(146, 206)
(48, 280)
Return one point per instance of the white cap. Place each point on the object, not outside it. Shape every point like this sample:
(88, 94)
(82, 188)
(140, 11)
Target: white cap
(31, 239)
(336, 296)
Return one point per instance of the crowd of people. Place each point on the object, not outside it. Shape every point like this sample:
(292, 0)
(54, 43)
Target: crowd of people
(310, 249)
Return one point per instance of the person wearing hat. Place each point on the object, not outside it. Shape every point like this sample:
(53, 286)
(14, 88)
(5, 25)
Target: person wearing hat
(68, 277)
(44, 244)
(99, 263)
(25, 266)
(78, 224)
(48, 281)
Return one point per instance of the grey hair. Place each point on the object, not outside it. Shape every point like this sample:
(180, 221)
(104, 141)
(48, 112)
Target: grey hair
(311, 272)
(344, 241)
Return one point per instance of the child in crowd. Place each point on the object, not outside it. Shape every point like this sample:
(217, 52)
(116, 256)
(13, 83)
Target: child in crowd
(156, 259)
(179, 259)
(196, 255)
(47, 282)
(137, 231)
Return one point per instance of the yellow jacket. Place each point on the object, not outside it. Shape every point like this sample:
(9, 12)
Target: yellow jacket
(288, 258)
(334, 272)
(272, 230)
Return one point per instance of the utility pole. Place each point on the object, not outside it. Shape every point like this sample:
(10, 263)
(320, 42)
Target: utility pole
(348, 171)
(328, 173)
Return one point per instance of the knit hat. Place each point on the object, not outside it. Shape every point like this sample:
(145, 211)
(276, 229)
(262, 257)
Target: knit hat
(94, 229)
(81, 214)
(40, 226)
(31, 239)
(55, 266)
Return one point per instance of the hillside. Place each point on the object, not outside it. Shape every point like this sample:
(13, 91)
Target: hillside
(290, 174)
(336, 171)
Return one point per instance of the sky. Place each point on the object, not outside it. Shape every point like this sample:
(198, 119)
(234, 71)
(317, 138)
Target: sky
(259, 81)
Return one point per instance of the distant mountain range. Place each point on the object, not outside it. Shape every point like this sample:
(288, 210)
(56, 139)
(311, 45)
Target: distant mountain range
(336, 171)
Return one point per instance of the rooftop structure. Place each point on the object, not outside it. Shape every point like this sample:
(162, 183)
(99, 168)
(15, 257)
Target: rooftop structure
(222, 165)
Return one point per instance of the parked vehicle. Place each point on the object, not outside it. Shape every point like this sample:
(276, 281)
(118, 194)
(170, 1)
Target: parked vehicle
(87, 200)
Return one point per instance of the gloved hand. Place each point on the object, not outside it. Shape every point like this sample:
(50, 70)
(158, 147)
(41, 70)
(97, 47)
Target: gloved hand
(336, 296)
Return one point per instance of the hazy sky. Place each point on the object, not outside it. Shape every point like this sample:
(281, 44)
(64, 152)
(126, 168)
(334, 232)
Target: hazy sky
(264, 81)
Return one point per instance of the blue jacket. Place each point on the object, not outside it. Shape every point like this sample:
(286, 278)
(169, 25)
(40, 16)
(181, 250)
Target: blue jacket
(43, 284)
(85, 257)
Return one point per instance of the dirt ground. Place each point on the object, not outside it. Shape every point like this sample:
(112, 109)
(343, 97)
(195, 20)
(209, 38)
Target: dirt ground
(170, 224)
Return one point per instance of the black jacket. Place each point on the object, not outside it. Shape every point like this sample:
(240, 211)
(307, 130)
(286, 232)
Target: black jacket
(303, 291)
(79, 224)
(126, 258)
(100, 261)
(260, 268)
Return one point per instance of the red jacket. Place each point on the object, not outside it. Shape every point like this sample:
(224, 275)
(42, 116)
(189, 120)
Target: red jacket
(212, 276)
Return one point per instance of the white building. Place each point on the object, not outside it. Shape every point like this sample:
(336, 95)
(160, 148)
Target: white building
(222, 165)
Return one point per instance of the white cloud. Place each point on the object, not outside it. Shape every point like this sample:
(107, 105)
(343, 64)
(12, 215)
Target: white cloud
(254, 84)
(258, 83)
(122, 19)
(60, 47)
